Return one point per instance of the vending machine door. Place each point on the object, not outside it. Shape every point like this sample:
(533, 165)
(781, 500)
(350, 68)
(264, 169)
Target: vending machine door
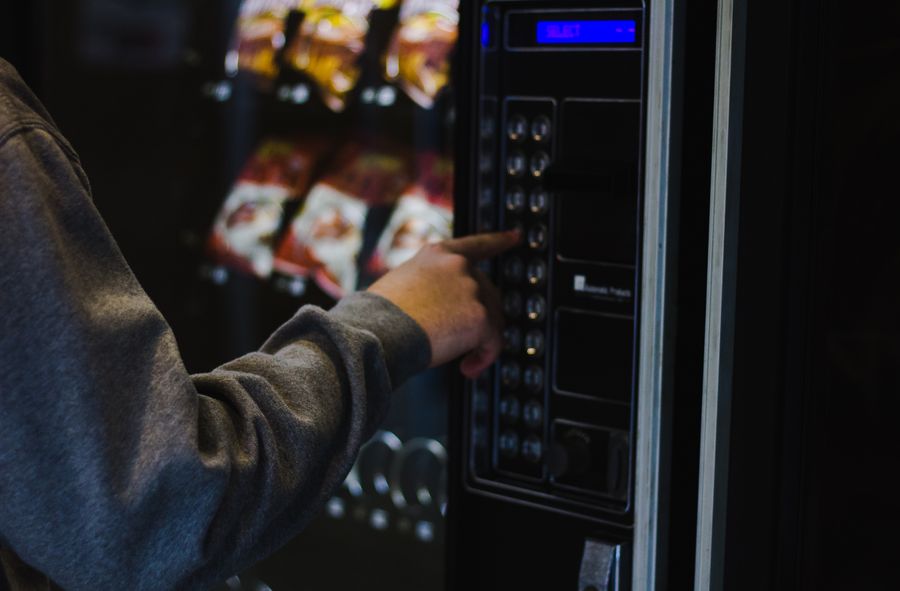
(563, 464)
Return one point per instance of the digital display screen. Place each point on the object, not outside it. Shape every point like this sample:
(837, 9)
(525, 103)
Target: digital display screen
(586, 32)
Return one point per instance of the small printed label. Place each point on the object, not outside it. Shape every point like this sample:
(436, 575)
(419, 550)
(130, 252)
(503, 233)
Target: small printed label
(581, 285)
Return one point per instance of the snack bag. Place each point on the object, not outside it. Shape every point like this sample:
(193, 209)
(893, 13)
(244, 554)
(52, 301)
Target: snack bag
(244, 230)
(418, 57)
(325, 237)
(423, 214)
(259, 36)
(329, 42)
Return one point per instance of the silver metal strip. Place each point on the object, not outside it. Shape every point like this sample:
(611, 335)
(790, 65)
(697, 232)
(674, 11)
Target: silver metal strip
(719, 347)
(649, 514)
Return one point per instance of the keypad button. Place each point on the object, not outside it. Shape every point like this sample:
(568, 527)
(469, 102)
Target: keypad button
(534, 343)
(512, 304)
(511, 374)
(536, 272)
(512, 339)
(541, 128)
(516, 128)
(533, 414)
(515, 200)
(537, 237)
(513, 270)
(539, 201)
(539, 163)
(515, 164)
(532, 449)
(535, 307)
(509, 408)
(534, 378)
(508, 443)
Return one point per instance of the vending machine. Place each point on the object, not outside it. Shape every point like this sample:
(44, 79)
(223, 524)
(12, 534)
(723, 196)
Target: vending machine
(566, 473)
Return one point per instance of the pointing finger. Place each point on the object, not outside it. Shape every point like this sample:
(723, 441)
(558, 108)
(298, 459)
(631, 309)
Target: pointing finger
(483, 246)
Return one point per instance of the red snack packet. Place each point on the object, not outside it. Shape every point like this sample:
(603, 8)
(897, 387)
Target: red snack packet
(325, 237)
(423, 214)
(418, 57)
(258, 37)
(244, 230)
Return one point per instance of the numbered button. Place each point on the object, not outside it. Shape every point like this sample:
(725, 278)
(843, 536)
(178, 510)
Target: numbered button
(536, 272)
(539, 163)
(537, 237)
(516, 128)
(512, 304)
(533, 414)
(541, 128)
(532, 449)
(508, 443)
(538, 201)
(515, 200)
(515, 164)
(509, 409)
(534, 378)
(534, 307)
(534, 343)
(511, 374)
(512, 339)
(513, 270)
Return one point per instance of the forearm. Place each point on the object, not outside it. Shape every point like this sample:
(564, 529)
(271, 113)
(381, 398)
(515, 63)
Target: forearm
(117, 468)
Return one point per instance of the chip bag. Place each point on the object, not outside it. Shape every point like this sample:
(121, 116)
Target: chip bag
(325, 237)
(418, 57)
(423, 214)
(244, 230)
(259, 36)
(329, 42)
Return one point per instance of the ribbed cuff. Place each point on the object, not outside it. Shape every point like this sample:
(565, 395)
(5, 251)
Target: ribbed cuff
(407, 350)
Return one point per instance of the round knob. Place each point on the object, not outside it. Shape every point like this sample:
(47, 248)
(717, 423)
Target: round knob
(374, 462)
(513, 269)
(510, 374)
(540, 128)
(515, 164)
(512, 339)
(512, 304)
(516, 128)
(509, 409)
(515, 199)
(417, 474)
(508, 442)
(538, 201)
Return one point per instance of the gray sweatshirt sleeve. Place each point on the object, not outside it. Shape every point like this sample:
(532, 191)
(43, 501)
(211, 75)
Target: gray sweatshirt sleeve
(118, 469)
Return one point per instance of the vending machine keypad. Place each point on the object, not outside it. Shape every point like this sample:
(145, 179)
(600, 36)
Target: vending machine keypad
(560, 126)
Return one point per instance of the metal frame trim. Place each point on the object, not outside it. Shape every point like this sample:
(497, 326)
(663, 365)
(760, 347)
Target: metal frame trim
(648, 549)
(720, 297)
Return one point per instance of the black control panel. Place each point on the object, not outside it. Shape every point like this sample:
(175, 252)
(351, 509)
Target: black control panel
(560, 127)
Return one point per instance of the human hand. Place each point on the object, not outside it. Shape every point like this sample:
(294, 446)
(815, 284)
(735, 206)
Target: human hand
(453, 301)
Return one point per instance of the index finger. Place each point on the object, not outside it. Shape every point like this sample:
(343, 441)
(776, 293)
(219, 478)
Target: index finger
(483, 246)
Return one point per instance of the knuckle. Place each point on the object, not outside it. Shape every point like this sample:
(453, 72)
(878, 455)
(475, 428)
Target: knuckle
(480, 314)
(456, 262)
